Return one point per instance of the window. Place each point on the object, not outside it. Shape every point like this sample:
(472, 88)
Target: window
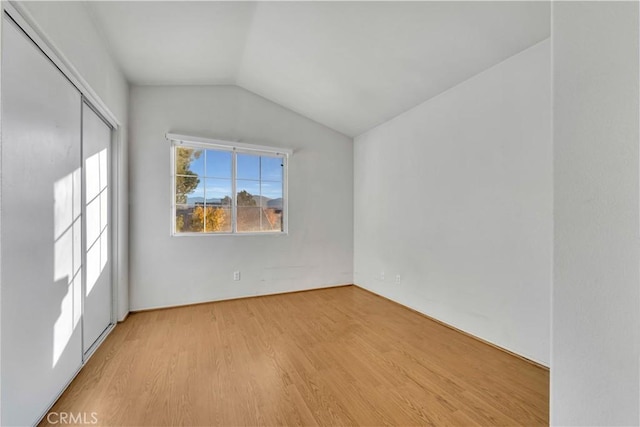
(227, 188)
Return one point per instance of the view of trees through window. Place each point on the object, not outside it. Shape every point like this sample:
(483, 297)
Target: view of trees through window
(204, 186)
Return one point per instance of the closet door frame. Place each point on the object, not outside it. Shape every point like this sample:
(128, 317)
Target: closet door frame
(110, 197)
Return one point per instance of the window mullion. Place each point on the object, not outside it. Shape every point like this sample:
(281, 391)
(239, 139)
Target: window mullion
(204, 202)
(234, 201)
(285, 195)
(260, 190)
(174, 173)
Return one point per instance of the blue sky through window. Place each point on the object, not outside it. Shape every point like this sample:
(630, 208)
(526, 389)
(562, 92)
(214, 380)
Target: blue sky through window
(218, 164)
(258, 175)
(271, 169)
(248, 167)
(217, 188)
(272, 190)
(251, 187)
(199, 190)
(197, 165)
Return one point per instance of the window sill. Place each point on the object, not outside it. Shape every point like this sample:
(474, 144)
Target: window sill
(280, 233)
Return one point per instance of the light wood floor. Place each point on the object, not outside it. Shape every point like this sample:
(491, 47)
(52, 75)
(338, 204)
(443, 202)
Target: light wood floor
(340, 356)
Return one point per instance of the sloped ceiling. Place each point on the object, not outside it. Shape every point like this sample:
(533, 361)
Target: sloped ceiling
(347, 65)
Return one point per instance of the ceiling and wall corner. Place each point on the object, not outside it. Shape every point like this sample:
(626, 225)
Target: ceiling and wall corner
(347, 65)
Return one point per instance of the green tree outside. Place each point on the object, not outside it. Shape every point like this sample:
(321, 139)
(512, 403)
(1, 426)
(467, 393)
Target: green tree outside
(246, 199)
(186, 179)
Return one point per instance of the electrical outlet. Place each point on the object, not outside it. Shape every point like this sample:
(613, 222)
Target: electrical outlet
(236, 275)
(398, 278)
(381, 277)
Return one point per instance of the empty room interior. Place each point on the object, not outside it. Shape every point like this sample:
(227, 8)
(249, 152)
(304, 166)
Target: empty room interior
(319, 213)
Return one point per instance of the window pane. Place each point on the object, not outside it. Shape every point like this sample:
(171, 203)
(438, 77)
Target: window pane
(248, 166)
(271, 192)
(248, 218)
(217, 219)
(218, 164)
(210, 219)
(189, 190)
(248, 193)
(271, 168)
(217, 192)
(272, 219)
(183, 222)
(189, 161)
(189, 195)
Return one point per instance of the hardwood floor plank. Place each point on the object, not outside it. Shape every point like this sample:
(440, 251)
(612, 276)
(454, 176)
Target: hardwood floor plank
(338, 356)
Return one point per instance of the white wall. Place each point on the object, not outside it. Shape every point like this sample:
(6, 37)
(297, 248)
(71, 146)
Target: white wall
(1, 23)
(69, 28)
(596, 320)
(318, 251)
(455, 196)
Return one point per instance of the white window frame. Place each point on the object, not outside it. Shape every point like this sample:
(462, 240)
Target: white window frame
(234, 147)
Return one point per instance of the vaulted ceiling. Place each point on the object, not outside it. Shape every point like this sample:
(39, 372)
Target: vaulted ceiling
(347, 65)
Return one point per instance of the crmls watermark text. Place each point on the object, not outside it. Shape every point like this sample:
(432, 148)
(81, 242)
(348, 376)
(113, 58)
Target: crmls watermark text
(72, 418)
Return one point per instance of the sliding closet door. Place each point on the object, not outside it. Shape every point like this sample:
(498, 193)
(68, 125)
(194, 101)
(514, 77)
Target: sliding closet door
(96, 141)
(41, 230)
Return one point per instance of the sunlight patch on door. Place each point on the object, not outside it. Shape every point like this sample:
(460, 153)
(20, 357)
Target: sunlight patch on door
(97, 190)
(67, 258)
